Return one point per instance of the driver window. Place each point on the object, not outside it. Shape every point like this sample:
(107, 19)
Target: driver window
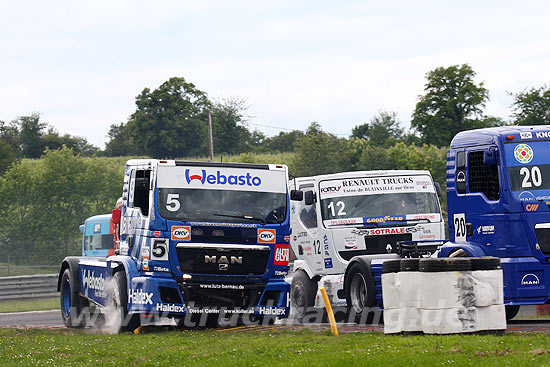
(307, 213)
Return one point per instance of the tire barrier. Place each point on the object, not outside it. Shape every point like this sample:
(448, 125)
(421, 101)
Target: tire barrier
(443, 295)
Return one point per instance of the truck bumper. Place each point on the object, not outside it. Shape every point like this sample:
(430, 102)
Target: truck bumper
(164, 296)
(526, 281)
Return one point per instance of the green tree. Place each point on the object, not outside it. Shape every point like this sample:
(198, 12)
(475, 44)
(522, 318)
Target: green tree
(170, 121)
(452, 102)
(532, 107)
(284, 142)
(229, 137)
(318, 152)
(383, 130)
(120, 141)
(31, 132)
(7, 155)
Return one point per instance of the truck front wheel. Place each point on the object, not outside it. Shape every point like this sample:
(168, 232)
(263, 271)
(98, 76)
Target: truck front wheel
(71, 304)
(123, 320)
(302, 294)
(360, 292)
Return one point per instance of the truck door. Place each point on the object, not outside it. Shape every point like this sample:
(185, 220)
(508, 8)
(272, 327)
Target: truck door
(305, 233)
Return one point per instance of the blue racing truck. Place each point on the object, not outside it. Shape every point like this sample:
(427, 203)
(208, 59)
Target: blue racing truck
(498, 195)
(97, 237)
(198, 241)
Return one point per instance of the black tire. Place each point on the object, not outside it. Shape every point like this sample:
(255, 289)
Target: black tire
(410, 264)
(430, 265)
(511, 312)
(124, 321)
(485, 263)
(302, 294)
(360, 292)
(391, 266)
(459, 264)
(70, 302)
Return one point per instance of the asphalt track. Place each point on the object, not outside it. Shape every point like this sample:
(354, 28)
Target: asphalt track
(52, 319)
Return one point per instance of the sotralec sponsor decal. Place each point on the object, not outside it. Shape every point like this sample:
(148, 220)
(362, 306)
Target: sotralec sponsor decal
(385, 231)
(266, 235)
(181, 233)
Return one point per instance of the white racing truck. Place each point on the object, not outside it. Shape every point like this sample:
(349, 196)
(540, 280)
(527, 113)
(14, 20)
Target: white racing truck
(344, 226)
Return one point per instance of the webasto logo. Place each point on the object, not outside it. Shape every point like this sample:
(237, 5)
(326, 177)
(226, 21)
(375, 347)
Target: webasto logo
(221, 179)
(90, 281)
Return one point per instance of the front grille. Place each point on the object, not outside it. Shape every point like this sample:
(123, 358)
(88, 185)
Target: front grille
(543, 236)
(206, 234)
(200, 295)
(377, 245)
(223, 261)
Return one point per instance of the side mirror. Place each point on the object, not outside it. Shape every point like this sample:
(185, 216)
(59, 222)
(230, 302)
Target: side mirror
(309, 197)
(296, 195)
(489, 157)
(437, 189)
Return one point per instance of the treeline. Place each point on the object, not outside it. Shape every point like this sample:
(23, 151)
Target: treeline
(43, 201)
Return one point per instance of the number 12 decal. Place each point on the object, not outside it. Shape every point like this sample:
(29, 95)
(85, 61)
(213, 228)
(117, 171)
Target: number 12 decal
(459, 221)
(339, 204)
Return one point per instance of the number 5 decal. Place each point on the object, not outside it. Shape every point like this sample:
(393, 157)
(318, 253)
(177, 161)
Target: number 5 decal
(459, 221)
(159, 250)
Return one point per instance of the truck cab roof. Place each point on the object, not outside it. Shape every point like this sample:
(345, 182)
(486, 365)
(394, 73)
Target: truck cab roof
(492, 134)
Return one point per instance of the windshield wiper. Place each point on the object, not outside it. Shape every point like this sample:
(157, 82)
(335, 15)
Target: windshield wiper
(249, 217)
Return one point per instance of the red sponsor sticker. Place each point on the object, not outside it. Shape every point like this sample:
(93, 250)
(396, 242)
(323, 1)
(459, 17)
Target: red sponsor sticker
(282, 254)
(157, 233)
(266, 235)
(181, 233)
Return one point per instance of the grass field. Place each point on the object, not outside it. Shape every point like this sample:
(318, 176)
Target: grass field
(29, 305)
(64, 347)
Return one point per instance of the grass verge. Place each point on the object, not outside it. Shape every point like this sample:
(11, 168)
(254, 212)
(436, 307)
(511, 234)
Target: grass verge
(267, 348)
(29, 305)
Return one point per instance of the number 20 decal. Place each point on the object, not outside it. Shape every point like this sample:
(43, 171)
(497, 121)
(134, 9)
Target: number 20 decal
(532, 177)
(459, 221)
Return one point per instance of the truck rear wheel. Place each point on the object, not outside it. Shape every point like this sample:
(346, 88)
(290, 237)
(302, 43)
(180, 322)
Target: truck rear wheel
(71, 304)
(360, 293)
(302, 294)
(123, 320)
(511, 312)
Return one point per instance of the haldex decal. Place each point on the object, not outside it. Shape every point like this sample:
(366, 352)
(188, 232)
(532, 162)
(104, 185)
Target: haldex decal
(139, 297)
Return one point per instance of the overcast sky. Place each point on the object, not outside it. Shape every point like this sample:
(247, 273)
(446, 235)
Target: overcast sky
(81, 64)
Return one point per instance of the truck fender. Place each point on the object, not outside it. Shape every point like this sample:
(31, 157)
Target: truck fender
(71, 263)
(126, 264)
(365, 262)
(302, 265)
(472, 249)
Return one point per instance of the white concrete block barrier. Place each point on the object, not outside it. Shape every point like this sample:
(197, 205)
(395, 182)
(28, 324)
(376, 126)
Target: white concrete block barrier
(443, 296)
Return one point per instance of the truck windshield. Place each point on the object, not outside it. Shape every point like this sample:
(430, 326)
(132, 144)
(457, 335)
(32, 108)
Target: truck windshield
(529, 169)
(237, 195)
(222, 206)
(379, 200)
(98, 242)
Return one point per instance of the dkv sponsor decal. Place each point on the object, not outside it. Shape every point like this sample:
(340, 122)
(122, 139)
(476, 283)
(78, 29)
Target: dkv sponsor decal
(266, 235)
(181, 233)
